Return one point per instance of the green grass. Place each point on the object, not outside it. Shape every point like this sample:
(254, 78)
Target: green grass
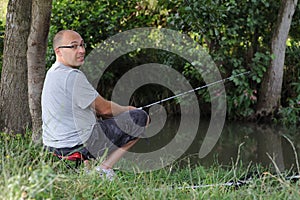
(27, 172)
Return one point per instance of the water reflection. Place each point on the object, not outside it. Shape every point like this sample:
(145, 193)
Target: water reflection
(263, 144)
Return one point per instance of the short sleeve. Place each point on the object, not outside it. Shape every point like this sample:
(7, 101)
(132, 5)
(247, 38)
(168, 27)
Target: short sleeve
(84, 93)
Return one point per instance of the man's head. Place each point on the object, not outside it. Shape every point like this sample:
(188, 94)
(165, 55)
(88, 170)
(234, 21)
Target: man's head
(69, 48)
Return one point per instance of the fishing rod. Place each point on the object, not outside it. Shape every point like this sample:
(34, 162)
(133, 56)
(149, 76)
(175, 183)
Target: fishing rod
(193, 90)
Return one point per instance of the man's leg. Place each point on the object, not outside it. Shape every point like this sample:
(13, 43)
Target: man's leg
(109, 135)
(116, 155)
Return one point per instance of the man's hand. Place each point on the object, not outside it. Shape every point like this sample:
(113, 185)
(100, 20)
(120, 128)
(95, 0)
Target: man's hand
(131, 108)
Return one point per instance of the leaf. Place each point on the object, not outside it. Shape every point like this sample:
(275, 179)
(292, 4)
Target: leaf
(188, 8)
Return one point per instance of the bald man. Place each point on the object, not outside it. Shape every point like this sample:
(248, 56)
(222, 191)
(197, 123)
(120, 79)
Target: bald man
(70, 105)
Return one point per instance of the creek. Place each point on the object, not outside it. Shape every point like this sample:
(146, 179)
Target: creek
(269, 145)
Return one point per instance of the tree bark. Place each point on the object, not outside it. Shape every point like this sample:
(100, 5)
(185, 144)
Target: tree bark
(15, 116)
(270, 94)
(36, 58)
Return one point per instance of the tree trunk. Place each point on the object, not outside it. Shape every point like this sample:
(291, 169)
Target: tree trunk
(269, 98)
(36, 58)
(15, 116)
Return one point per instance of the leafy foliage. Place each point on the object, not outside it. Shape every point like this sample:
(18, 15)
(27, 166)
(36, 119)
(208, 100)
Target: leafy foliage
(236, 34)
(289, 112)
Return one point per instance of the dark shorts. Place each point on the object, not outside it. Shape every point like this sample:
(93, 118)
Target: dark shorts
(111, 134)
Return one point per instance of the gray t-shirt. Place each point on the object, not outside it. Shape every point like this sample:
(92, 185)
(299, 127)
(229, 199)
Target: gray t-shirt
(68, 118)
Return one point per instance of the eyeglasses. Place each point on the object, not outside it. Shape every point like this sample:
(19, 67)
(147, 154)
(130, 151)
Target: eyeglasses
(74, 46)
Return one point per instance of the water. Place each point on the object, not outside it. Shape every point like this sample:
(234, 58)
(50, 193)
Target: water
(250, 143)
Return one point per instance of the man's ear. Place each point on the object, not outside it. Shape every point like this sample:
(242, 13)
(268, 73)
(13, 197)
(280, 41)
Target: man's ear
(57, 52)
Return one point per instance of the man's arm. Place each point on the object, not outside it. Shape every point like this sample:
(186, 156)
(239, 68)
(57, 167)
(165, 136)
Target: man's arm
(107, 108)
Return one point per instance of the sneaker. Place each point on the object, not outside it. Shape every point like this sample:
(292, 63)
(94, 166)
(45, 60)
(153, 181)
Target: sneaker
(87, 171)
(109, 174)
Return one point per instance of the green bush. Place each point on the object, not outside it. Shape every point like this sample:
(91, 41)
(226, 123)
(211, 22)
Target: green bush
(236, 34)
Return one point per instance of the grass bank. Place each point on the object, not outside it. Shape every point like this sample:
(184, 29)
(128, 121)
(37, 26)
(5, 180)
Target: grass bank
(26, 172)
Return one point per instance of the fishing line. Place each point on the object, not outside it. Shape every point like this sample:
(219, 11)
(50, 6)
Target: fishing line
(237, 184)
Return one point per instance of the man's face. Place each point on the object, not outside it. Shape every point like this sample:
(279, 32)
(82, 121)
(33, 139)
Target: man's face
(71, 51)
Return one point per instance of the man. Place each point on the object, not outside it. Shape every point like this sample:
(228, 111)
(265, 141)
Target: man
(70, 105)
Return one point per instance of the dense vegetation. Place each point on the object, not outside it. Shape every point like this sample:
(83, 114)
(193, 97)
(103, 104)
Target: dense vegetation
(236, 34)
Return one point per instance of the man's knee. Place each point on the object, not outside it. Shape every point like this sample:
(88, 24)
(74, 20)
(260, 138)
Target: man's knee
(140, 117)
